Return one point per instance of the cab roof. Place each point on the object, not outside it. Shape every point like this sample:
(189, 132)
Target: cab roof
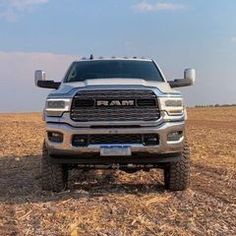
(114, 58)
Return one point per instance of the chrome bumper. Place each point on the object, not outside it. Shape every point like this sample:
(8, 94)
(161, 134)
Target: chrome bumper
(162, 130)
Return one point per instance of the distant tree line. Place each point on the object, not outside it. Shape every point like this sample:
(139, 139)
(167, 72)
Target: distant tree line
(217, 105)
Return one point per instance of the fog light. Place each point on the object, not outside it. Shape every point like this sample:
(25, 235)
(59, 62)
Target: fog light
(175, 136)
(150, 139)
(55, 137)
(80, 141)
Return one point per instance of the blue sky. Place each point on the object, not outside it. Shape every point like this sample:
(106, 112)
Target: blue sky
(49, 34)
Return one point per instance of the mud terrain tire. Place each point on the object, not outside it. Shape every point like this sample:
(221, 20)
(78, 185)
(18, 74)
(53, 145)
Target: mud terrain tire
(177, 174)
(54, 176)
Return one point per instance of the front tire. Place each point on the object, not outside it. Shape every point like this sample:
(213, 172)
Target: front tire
(177, 174)
(54, 176)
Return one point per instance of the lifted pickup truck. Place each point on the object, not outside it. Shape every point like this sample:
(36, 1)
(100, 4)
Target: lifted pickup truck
(115, 113)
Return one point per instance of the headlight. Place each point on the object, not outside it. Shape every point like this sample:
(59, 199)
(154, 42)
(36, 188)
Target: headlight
(174, 103)
(56, 106)
(173, 106)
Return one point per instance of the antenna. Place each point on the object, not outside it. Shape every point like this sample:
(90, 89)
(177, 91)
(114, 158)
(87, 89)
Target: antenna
(91, 57)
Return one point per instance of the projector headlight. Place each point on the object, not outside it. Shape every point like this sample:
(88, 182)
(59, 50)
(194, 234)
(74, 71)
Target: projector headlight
(173, 106)
(56, 106)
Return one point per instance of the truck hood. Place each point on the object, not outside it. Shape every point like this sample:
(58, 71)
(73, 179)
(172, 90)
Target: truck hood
(65, 88)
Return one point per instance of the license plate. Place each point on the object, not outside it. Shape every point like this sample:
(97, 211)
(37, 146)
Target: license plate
(113, 150)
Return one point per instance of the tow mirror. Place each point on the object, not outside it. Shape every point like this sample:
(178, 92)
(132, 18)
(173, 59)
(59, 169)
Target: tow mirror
(41, 81)
(189, 79)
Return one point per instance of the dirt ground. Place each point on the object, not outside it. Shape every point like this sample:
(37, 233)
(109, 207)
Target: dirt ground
(120, 204)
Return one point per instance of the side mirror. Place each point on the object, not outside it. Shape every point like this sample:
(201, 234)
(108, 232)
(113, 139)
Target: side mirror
(39, 75)
(41, 81)
(190, 75)
(189, 79)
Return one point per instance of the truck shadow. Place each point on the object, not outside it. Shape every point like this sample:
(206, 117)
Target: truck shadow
(20, 182)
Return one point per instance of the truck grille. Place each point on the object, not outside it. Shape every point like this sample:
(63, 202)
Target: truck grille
(115, 105)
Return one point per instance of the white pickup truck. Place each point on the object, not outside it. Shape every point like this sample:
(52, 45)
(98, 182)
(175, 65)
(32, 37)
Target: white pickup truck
(115, 113)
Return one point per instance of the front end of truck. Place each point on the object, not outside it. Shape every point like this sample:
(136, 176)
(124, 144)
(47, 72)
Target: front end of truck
(81, 128)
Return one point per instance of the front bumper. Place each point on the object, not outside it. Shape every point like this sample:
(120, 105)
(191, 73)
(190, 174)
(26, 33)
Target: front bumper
(66, 149)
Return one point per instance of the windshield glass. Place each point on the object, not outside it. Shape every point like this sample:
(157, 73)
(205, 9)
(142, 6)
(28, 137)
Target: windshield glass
(107, 69)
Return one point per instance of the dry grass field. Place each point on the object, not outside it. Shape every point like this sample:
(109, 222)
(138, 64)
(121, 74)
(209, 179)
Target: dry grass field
(120, 204)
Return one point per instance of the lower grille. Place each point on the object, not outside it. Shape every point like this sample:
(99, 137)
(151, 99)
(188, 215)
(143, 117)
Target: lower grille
(120, 105)
(115, 139)
(99, 139)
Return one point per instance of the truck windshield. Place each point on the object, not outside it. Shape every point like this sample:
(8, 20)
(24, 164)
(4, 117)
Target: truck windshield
(107, 69)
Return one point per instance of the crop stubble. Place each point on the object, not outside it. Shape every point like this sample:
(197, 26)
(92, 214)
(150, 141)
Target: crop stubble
(105, 203)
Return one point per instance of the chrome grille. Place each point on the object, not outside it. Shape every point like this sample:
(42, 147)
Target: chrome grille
(84, 107)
